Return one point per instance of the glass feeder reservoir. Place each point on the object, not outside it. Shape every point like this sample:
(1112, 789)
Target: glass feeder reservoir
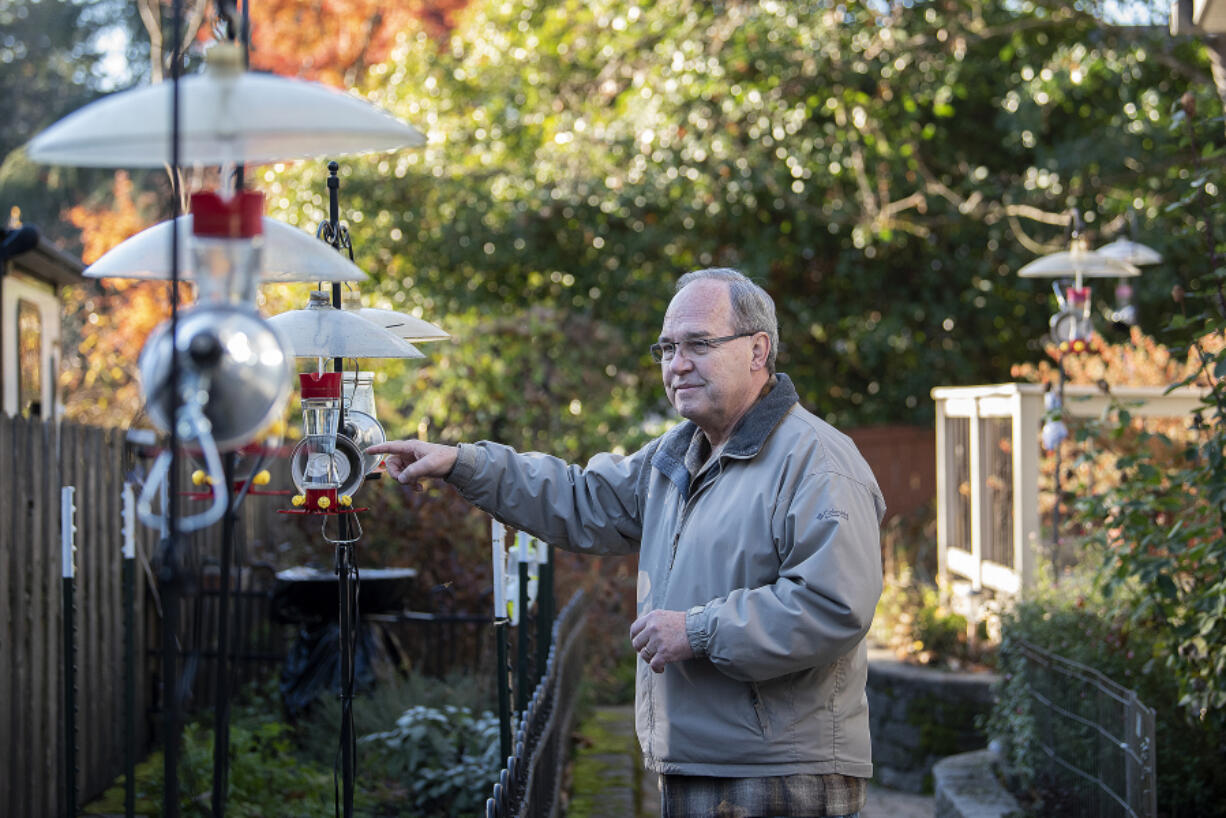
(321, 414)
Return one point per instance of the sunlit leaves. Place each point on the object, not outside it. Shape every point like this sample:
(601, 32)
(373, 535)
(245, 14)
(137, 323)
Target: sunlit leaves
(857, 159)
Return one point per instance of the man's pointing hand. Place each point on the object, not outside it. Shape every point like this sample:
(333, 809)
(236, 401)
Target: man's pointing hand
(410, 460)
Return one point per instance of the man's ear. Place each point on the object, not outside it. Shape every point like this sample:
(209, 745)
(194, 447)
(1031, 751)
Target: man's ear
(761, 351)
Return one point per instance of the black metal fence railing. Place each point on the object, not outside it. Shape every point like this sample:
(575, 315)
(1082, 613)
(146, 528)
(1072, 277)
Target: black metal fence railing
(1098, 738)
(530, 784)
(432, 645)
(436, 644)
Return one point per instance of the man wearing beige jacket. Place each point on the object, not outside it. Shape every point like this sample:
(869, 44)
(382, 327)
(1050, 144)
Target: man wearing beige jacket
(756, 529)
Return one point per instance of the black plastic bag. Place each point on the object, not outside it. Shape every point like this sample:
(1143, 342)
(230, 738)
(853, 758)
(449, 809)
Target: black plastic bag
(313, 665)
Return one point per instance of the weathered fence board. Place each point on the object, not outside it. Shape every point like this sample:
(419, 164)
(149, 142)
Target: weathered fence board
(45, 649)
(19, 663)
(36, 460)
(7, 649)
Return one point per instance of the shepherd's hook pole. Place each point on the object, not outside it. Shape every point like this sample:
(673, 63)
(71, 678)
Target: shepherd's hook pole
(346, 596)
(221, 709)
(168, 576)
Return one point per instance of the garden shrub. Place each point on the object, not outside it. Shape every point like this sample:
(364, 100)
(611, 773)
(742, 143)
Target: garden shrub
(266, 776)
(940, 630)
(914, 620)
(425, 743)
(448, 759)
(1076, 621)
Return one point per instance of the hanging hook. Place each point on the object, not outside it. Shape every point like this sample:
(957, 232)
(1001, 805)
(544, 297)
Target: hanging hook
(195, 426)
(323, 530)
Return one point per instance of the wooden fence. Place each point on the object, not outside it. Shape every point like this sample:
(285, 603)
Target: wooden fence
(904, 461)
(36, 459)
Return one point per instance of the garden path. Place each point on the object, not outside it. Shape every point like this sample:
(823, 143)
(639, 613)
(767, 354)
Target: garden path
(607, 779)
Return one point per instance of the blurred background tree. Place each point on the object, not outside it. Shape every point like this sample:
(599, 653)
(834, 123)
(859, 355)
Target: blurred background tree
(884, 169)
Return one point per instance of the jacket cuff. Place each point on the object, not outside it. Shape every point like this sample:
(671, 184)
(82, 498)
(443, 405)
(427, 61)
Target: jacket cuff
(465, 465)
(696, 630)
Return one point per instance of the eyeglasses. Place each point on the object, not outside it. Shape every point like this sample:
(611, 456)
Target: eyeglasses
(691, 348)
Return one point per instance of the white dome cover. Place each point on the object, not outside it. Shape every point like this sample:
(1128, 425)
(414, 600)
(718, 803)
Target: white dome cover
(227, 116)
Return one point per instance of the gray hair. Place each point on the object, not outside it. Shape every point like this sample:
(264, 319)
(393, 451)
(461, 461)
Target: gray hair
(753, 310)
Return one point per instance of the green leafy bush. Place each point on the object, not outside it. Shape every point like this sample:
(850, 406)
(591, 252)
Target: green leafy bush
(913, 620)
(447, 758)
(1077, 622)
(940, 630)
(266, 777)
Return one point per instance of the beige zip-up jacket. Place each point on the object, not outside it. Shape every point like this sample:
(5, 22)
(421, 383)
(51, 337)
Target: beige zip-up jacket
(772, 549)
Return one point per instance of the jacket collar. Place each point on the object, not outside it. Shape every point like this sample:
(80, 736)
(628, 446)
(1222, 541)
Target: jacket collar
(747, 438)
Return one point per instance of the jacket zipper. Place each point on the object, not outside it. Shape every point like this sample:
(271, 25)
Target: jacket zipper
(685, 516)
(672, 558)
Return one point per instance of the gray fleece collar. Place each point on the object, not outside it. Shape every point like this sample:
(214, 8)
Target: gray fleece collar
(747, 438)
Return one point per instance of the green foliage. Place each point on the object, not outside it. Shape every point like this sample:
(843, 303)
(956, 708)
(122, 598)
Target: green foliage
(266, 777)
(538, 379)
(1076, 622)
(447, 758)
(52, 59)
(913, 619)
(279, 769)
(374, 711)
(937, 628)
(583, 154)
(1148, 613)
(1162, 528)
(408, 779)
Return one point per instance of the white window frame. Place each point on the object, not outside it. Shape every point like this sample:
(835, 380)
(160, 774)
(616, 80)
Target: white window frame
(18, 287)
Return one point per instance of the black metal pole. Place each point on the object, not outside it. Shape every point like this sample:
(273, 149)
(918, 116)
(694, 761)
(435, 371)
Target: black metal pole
(129, 683)
(521, 639)
(168, 576)
(70, 699)
(346, 596)
(221, 708)
(503, 676)
(168, 585)
(344, 571)
(543, 623)
(68, 586)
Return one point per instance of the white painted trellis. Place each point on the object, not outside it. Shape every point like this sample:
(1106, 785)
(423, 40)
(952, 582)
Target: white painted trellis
(988, 472)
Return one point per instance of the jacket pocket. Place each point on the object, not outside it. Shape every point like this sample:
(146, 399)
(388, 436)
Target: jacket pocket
(759, 709)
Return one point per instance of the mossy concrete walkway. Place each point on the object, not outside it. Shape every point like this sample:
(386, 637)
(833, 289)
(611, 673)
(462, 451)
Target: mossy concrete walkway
(608, 780)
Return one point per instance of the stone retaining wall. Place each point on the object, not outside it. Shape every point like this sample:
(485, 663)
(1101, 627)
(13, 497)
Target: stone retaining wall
(919, 715)
(966, 787)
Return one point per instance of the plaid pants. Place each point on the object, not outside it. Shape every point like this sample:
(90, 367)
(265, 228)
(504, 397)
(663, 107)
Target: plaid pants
(796, 796)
